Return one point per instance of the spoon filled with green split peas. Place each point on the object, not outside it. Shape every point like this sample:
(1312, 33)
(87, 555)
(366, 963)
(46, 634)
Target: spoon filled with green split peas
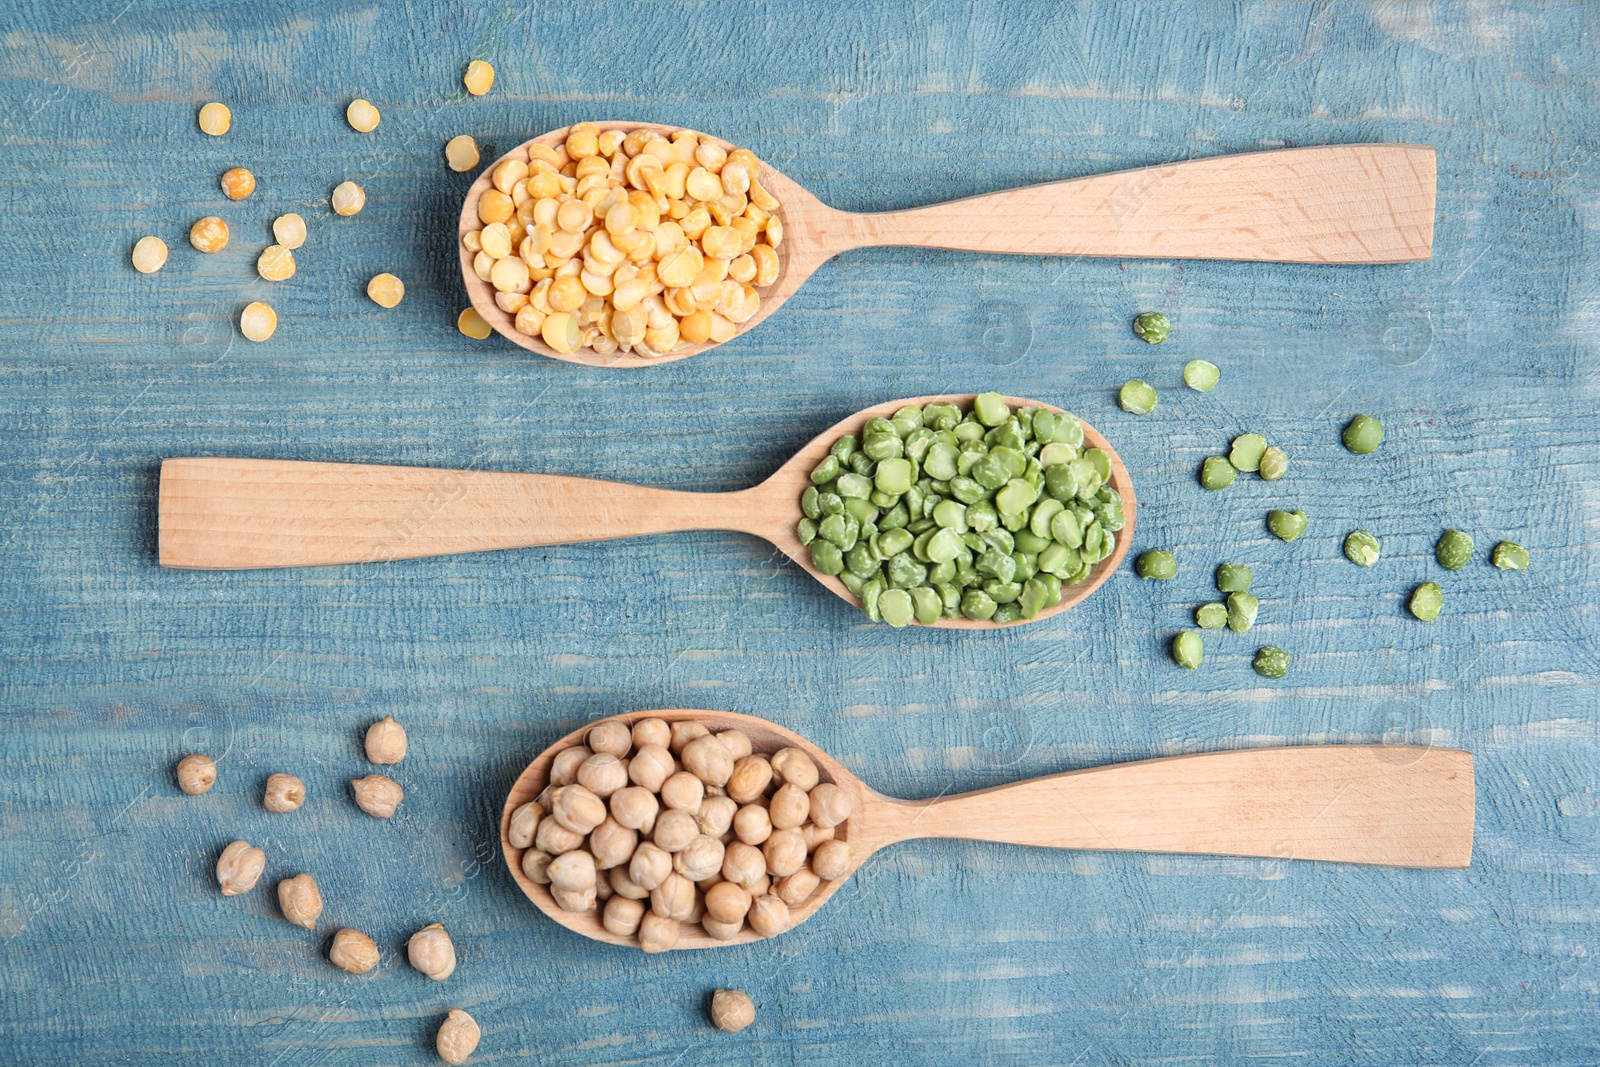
(955, 511)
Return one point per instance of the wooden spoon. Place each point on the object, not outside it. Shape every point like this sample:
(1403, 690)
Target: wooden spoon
(1360, 203)
(1384, 805)
(231, 514)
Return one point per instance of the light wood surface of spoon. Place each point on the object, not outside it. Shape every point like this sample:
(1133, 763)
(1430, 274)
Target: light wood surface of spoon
(1358, 203)
(1380, 805)
(231, 514)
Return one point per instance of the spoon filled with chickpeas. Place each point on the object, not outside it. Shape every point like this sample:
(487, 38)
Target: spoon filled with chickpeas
(692, 829)
(951, 511)
(621, 244)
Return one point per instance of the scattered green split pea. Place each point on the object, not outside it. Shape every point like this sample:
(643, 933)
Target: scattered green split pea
(1453, 550)
(1152, 327)
(1510, 556)
(1200, 375)
(1426, 601)
(1217, 473)
(1242, 608)
(1156, 564)
(1271, 662)
(1363, 434)
(1187, 650)
(1233, 578)
(1246, 452)
(1274, 464)
(1286, 525)
(1137, 397)
(1211, 616)
(1361, 548)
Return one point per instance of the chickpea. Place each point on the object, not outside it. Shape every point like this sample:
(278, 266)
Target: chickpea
(794, 767)
(737, 742)
(624, 886)
(789, 808)
(431, 951)
(612, 737)
(830, 805)
(727, 902)
(674, 830)
(239, 868)
(743, 864)
(769, 916)
(731, 1010)
(386, 741)
(657, 933)
(377, 795)
(832, 859)
(683, 791)
(785, 852)
(554, 838)
(612, 844)
(715, 816)
(752, 824)
(577, 809)
(651, 732)
(579, 900)
(457, 1038)
(816, 835)
(622, 916)
(635, 808)
(573, 871)
(536, 865)
(196, 774)
(700, 859)
(651, 765)
(284, 793)
(720, 930)
(674, 897)
(708, 760)
(603, 774)
(300, 900)
(795, 889)
(650, 866)
(684, 732)
(524, 822)
(353, 951)
(564, 768)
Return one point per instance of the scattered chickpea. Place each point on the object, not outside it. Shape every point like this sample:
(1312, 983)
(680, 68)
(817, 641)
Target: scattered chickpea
(731, 1010)
(275, 264)
(300, 900)
(479, 78)
(196, 774)
(431, 951)
(215, 119)
(386, 739)
(239, 868)
(209, 234)
(290, 230)
(471, 323)
(461, 153)
(258, 321)
(458, 1037)
(285, 793)
(362, 116)
(353, 951)
(378, 795)
(348, 198)
(149, 255)
(238, 183)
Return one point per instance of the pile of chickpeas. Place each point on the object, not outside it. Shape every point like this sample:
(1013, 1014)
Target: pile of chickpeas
(663, 825)
(634, 242)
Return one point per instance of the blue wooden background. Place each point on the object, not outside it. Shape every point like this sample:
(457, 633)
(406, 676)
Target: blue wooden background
(115, 946)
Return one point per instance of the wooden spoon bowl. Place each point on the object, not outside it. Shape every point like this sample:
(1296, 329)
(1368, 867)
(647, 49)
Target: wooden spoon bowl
(1385, 805)
(1362, 203)
(243, 513)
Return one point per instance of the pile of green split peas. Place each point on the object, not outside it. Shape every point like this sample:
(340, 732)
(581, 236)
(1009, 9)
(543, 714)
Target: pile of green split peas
(938, 513)
(1250, 452)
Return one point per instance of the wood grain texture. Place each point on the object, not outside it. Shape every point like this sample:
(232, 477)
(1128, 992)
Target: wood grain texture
(240, 513)
(1385, 805)
(1482, 362)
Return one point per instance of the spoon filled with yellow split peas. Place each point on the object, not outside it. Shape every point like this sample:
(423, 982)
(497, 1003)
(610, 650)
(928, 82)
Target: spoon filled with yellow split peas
(620, 244)
(692, 829)
(952, 511)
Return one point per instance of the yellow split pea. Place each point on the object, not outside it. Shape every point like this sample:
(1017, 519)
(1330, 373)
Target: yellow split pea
(215, 119)
(149, 255)
(348, 198)
(209, 234)
(461, 153)
(362, 116)
(479, 78)
(471, 323)
(386, 290)
(238, 183)
(290, 230)
(276, 264)
(258, 321)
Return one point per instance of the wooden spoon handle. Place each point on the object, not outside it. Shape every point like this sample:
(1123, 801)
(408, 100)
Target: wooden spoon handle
(1365, 203)
(1391, 805)
(240, 513)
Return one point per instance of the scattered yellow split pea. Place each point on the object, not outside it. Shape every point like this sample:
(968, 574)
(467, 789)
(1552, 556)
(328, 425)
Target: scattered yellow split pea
(209, 234)
(149, 255)
(479, 78)
(386, 290)
(257, 321)
(215, 119)
(461, 153)
(276, 264)
(238, 183)
(290, 230)
(348, 198)
(362, 116)
(471, 323)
